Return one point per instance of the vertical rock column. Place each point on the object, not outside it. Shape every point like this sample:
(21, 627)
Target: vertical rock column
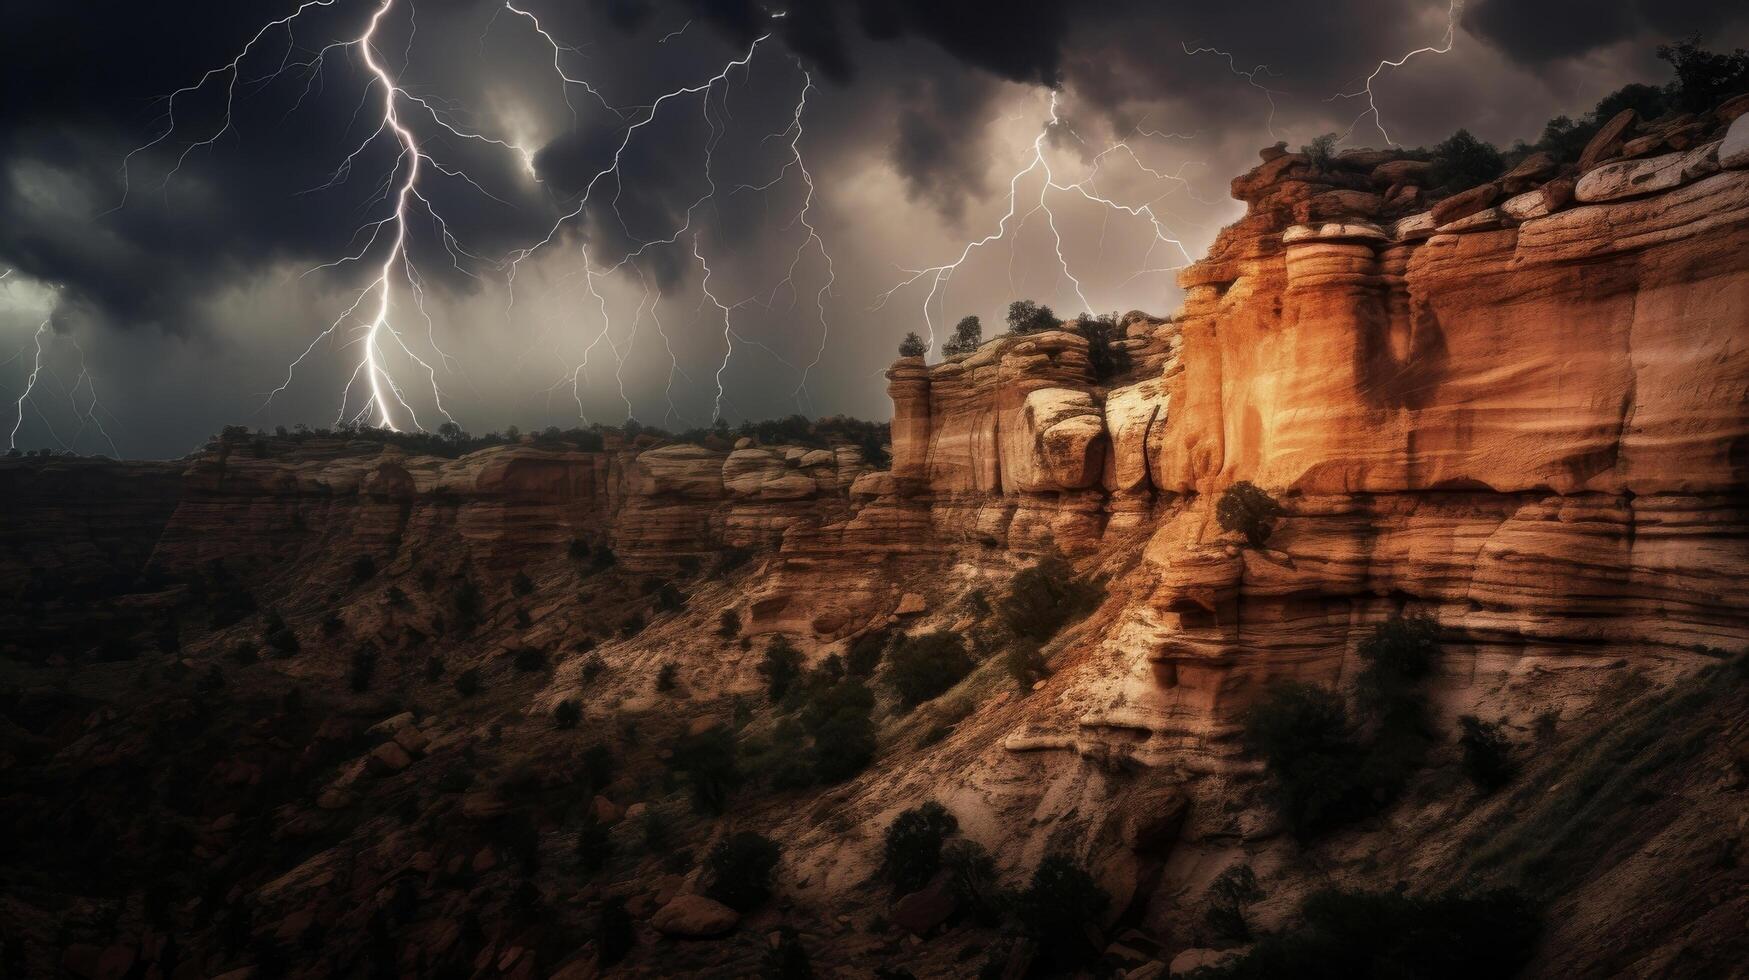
(908, 386)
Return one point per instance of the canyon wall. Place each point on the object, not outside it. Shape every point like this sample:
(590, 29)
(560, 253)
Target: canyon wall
(1530, 421)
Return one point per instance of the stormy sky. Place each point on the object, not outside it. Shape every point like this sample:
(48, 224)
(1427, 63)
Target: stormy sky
(609, 218)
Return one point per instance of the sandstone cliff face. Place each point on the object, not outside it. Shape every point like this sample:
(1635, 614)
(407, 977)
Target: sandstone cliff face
(1536, 430)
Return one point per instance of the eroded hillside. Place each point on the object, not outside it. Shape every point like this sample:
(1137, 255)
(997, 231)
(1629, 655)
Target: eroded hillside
(329, 709)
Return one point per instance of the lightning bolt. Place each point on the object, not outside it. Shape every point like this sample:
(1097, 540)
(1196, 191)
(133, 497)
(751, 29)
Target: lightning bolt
(1453, 13)
(36, 367)
(1250, 77)
(938, 276)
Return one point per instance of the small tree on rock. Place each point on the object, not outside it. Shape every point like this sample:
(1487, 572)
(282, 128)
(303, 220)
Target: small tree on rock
(967, 335)
(912, 346)
(1248, 510)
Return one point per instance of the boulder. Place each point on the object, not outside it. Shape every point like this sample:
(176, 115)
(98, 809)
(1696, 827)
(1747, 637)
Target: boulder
(921, 911)
(1349, 231)
(1733, 108)
(911, 604)
(607, 812)
(1734, 149)
(387, 759)
(1465, 203)
(1523, 207)
(1414, 227)
(1608, 140)
(1632, 178)
(1530, 172)
(1558, 193)
(694, 917)
(1195, 959)
(1401, 172)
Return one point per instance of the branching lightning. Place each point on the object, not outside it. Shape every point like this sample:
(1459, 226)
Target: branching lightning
(373, 393)
(938, 276)
(1250, 78)
(1453, 13)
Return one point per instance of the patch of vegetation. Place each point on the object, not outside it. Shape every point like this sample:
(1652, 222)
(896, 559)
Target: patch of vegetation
(530, 659)
(1026, 316)
(667, 677)
(729, 624)
(1463, 161)
(1059, 909)
(1045, 596)
(1228, 894)
(708, 761)
(521, 585)
(781, 668)
(739, 869)
(1025, 664)
(840, 719)
(1251, 512)
(923, 667)
(967, 335)
(1487, 753)
(864, 656)
(911, 849)
(1105, 354)
(567, 714)
(1449, 936)
(912, 346)
(1321, 152)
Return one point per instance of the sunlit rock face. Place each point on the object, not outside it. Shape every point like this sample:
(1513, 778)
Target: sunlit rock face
(1532, 423)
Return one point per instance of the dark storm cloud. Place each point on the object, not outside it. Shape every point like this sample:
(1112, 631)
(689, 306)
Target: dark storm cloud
(918, 98)
(1535, 33)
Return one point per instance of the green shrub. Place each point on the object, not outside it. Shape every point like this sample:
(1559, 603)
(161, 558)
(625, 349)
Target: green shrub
(1345, 934)
(567, 714)
(780, 668)
(864, 656)
(1025, 664)
(1399, 655)
(967, 335)
(1321, 152)
(1046, 596)
(1311, 753)
(923, 667)
(911, 853)
(592, 667)
(972, 876)
(1025, 316)
(1105, 353)
(1059, 908)
(1462, 162)
(598, 765)
(1248, 510)
(530, 659)
(739, 869)
(708, 761)
(578, 550)
(1704, 78)
(521, 585)
(1228, 894)
(468, 604)
(395, 596)
(729, 624)
(667, 678)
(632, 626)
(840, 719)
(1487, 753)
(912, 346)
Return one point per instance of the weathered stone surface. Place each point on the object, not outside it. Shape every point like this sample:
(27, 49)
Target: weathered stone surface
(1400, 172)
(1633, 178)
(1335, 232)
(1607, 141)
(1734, 148)
(1465, 203)
(1530, 172)
(694, 917)
(1523, 207)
